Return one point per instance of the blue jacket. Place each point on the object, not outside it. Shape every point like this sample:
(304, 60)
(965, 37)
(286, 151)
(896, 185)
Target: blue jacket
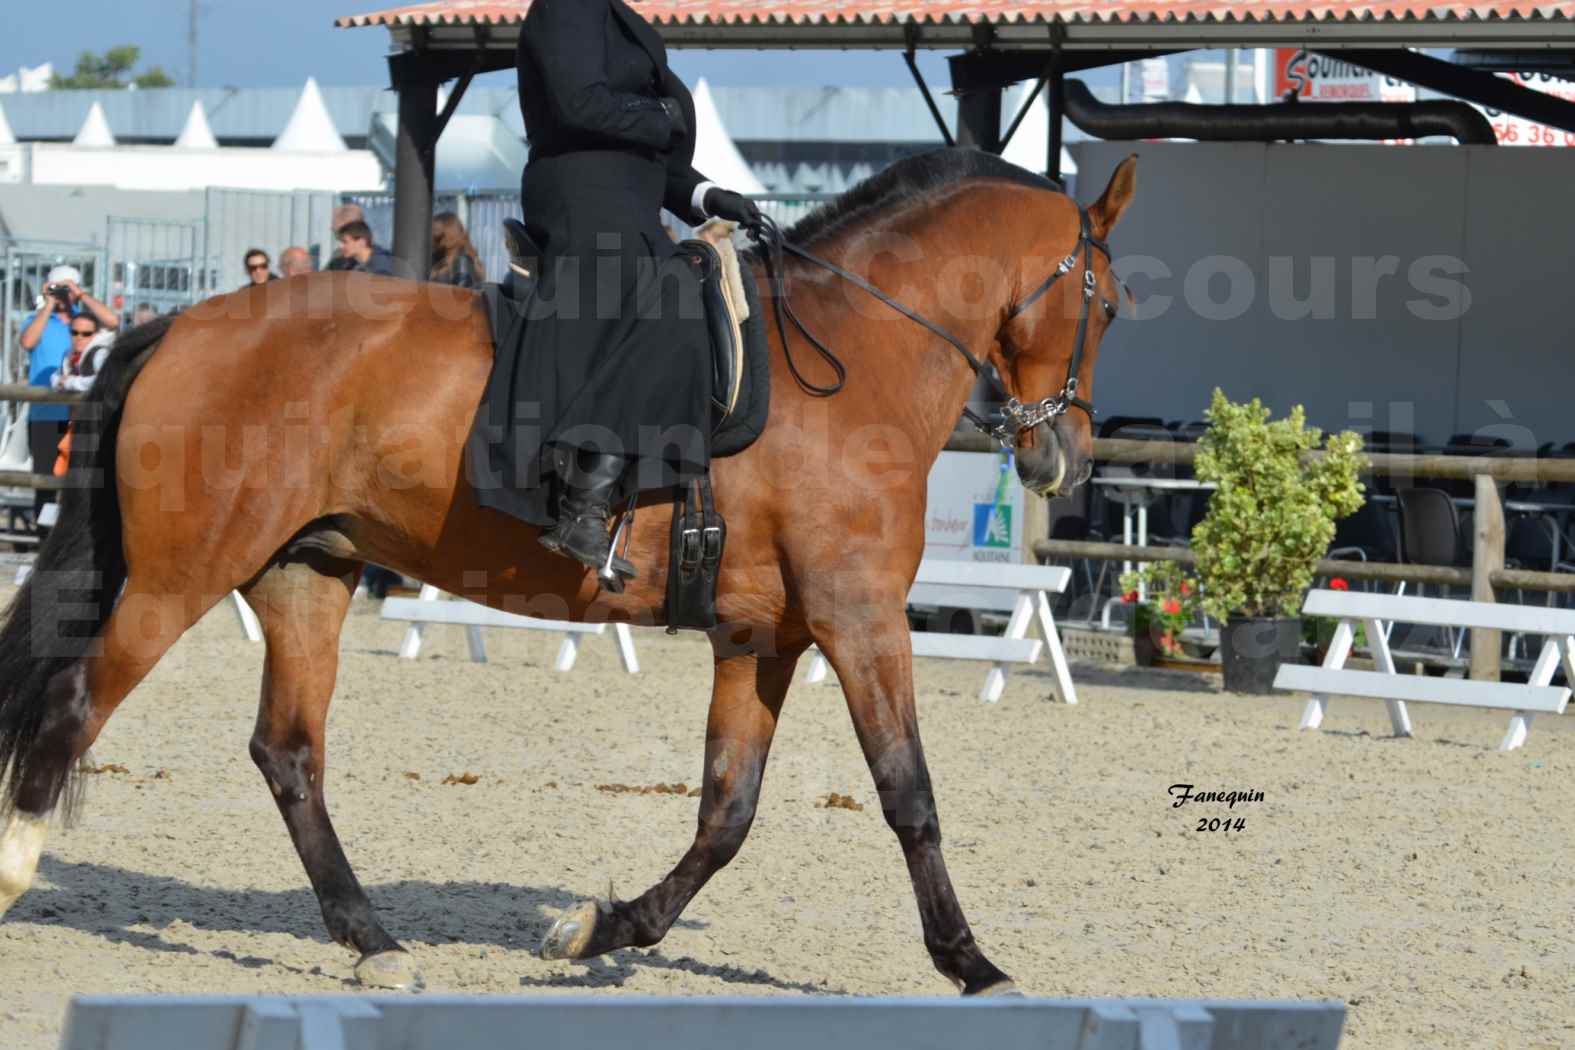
(45, 361)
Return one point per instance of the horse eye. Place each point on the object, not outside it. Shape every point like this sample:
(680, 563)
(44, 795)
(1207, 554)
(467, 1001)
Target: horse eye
(1110, 309)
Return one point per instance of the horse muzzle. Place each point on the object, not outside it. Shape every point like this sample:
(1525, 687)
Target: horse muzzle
(1042, 467)
(1049, 467)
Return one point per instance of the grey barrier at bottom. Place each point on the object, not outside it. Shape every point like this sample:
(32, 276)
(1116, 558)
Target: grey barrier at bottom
(423, 1022)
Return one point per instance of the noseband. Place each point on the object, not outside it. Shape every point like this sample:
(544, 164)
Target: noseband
(1016, 417)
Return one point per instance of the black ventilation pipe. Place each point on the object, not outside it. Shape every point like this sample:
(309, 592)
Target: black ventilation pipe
(1280, 120)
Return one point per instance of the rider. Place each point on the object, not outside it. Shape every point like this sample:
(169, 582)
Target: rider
(617, 362)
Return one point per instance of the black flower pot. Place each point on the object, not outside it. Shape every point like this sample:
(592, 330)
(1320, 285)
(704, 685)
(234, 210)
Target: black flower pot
(1252, 648)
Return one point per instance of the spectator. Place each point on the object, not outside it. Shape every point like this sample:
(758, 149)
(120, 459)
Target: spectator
(143, 314)
(257, 271)
(83, 364)
(355, 244)
(454, 258)
(66, 317)
(293, 262)
(344, 215)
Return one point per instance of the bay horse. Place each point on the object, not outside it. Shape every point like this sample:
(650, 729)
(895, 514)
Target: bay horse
(276, 439)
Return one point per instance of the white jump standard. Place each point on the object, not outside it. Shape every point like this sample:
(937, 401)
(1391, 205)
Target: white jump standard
(1372, 610)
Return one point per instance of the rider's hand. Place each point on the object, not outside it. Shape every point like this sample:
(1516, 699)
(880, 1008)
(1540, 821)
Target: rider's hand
(734, 207)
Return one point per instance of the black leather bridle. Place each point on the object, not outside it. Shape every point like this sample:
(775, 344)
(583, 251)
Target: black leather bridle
(1016, 417)
(1047, 410)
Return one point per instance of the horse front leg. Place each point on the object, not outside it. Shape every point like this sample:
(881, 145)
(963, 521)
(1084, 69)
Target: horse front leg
(872, 652)
(746, 699)
(302, 608)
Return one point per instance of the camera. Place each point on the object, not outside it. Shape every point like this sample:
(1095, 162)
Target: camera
(59, 292)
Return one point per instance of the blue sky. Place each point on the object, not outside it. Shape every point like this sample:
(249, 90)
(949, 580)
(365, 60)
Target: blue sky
(276, 43)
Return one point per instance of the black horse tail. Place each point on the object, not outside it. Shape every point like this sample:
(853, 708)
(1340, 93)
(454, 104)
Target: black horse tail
(55, 621)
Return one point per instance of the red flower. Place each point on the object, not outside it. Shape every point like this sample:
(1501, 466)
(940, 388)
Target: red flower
(1339, 584)
(1171, 607)
(1130, 597)
(1186, 587)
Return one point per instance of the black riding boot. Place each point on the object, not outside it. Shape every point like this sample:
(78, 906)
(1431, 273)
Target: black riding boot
(581, 531)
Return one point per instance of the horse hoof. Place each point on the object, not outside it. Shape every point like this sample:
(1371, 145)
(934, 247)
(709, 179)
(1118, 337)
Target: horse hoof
(393, 969)
(21, 844)
(1001, 990)
(571, 934)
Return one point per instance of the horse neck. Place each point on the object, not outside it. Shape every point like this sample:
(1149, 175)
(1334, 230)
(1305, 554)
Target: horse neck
(931, 387)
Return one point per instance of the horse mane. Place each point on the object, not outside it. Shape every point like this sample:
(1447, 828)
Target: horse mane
(911, 179)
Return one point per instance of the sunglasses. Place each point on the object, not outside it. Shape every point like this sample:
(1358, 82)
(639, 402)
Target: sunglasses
(254, 267)
(78, 333)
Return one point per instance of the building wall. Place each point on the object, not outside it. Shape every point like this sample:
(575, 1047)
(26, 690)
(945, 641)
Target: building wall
(1471, 332)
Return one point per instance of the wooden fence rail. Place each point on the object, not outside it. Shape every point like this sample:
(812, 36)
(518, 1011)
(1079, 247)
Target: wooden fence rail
(1181, 453)
(38, 394)
(1388, 572)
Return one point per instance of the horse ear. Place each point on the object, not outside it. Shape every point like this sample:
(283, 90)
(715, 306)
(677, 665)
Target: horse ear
(1106, 211)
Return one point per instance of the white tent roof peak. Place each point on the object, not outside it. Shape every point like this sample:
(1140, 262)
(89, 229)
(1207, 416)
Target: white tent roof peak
(197, 134)
(716, 156)
(310, 128)
(1030, 145)
(6, 138)
(95, 130)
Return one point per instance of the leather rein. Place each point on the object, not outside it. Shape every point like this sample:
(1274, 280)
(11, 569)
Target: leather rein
(1017, 417)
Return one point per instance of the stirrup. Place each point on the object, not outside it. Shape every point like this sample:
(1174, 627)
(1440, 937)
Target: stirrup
(615, 569)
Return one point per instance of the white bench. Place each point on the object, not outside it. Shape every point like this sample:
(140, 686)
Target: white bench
(1372, 610)
(447, 1022)
(1024, 589)
(429, 609)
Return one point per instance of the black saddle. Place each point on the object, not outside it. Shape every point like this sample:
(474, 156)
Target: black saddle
(724, 328)
(740, 375)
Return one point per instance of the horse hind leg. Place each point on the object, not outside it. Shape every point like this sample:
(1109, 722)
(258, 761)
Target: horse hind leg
(301, 605)
(745, 703)
(77, 701)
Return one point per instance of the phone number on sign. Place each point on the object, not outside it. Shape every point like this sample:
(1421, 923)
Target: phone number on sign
(1514, 134)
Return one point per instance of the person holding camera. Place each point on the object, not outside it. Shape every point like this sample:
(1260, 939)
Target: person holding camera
(67, 318)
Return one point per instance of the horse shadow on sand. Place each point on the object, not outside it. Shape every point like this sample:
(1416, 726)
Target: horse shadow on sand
(132, 908)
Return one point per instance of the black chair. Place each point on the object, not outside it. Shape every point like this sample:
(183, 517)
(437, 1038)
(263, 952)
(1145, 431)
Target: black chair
(1475, 442)
(1530, 545)
(1430, 535)
(1430, 528)
(1367, 535)
(1112, 424)
(1390, 442)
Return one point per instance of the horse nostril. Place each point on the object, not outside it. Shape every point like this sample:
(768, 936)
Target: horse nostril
(1084, 473)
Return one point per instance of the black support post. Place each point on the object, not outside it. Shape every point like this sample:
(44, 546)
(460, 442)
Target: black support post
(414, 166)
(1057, 106)
(978, 87)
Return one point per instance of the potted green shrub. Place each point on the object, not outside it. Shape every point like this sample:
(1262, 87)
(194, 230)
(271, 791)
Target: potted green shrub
(1269, 521)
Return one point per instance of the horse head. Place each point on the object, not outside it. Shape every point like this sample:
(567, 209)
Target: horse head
(1046, 349)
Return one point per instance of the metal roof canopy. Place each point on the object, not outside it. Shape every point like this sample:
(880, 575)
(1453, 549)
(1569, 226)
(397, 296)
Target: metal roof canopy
(1002, 42)
(1080, 24)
